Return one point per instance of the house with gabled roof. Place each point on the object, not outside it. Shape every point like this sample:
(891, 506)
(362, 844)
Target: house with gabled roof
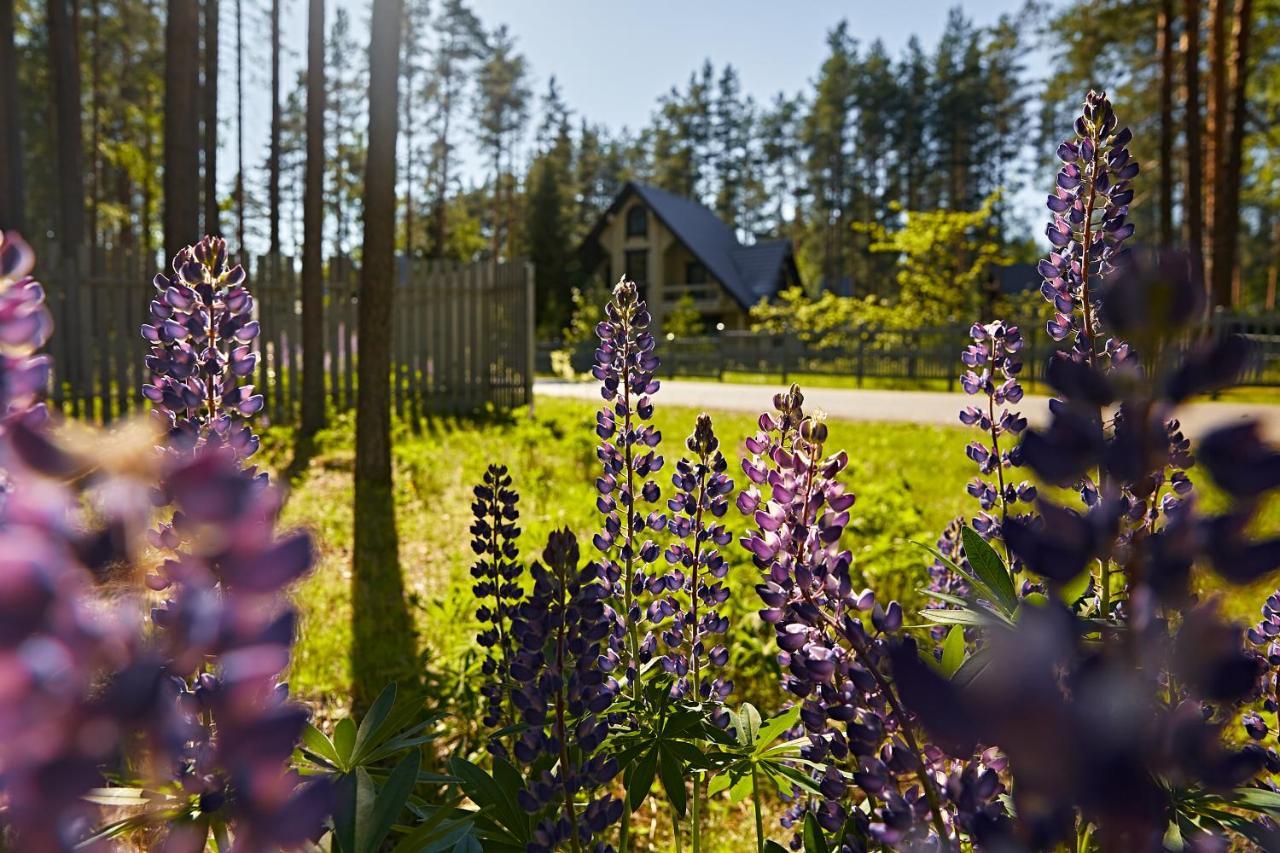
(674, 247)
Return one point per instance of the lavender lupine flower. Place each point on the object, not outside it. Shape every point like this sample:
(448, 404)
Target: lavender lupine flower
(227, 634)
(690, 639)
(832, 662)
(88, 686)
(564, 687)
(496, 572)
(993, 366)
(201, 334)
(625, 365)
(25, 325)
(1088, 226)
(1168, 662)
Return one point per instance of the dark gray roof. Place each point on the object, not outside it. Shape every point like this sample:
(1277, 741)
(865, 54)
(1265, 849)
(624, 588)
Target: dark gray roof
(749, 273)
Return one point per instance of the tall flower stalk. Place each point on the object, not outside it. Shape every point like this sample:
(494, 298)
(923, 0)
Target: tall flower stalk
(624, 364)
(1088, 229)
(993, 362)
(201, 334)
(694, 588)
(837, 668)
(1089, 224)
(497, 587)
(563, 691)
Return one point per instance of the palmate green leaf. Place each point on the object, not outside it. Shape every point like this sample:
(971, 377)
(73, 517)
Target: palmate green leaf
(958, 617)
(355, 797)
(344, 741)
(740, 790)
(748, 724)
(641, 778)
(318, 743)
(118, 797)
(486, 792)
(373, 721)
(788, 779)
(814, 840)
(771, 846)
(723, 781)
(437, 824)
(990, 568)
(973, 666)
(953, 651)
(1255, 800)
(672, 773)
(1073, 590)
(976, 582)
(775, 727)
(388, 804)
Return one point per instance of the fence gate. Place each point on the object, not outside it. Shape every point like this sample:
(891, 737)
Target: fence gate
(462, 334)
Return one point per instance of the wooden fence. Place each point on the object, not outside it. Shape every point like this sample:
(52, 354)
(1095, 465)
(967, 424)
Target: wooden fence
(909, 355)
(462, 334)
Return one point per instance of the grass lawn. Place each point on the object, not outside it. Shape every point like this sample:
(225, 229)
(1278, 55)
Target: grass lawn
(909, 480)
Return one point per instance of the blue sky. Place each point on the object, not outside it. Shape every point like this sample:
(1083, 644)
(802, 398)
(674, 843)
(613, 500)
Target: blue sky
(614, 58)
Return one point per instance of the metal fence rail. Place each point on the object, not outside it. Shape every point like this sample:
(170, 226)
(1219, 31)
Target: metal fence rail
(462, 334)
(911, 355)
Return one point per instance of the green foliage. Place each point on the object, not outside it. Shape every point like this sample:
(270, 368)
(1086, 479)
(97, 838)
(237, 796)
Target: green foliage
(683, 320)
(370, 798)
(944, 262)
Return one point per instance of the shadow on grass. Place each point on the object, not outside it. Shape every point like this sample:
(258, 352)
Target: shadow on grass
(305, 448)
(384, 645)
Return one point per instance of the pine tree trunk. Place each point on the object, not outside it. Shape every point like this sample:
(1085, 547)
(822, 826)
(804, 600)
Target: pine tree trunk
(1193, 201)
(12, 201)
(439, 224)
(181, 128)
(209, 100)
(64, 60)
(409, 80)
(1215, 149)
(95, 129)
(378, 588)
(273, 165)
(239, 190)
(1164, 47)
(313, 396)
(1226, 220)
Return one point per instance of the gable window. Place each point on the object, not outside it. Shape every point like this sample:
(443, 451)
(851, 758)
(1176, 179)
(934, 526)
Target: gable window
(637, 222)
(695, 273)
(637, 266)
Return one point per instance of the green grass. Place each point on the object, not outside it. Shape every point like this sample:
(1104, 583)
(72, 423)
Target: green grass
(909, 480)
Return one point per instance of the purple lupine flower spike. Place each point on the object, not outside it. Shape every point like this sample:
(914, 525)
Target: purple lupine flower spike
(1088, 226)
(625, 365)
(832, 662)
(690, 594)
(497, 572)
(563, 689)
(25, 326)
(201, 334)
(993, 363)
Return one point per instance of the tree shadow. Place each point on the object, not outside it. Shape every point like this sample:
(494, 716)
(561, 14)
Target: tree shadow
(384, 642)
(305, 449)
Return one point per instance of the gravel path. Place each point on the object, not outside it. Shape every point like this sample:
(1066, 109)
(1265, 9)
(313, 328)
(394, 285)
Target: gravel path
(920, 407)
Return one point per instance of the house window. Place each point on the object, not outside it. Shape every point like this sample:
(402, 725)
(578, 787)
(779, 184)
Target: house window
(637, 222)
(637, 266)
(695, 273)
